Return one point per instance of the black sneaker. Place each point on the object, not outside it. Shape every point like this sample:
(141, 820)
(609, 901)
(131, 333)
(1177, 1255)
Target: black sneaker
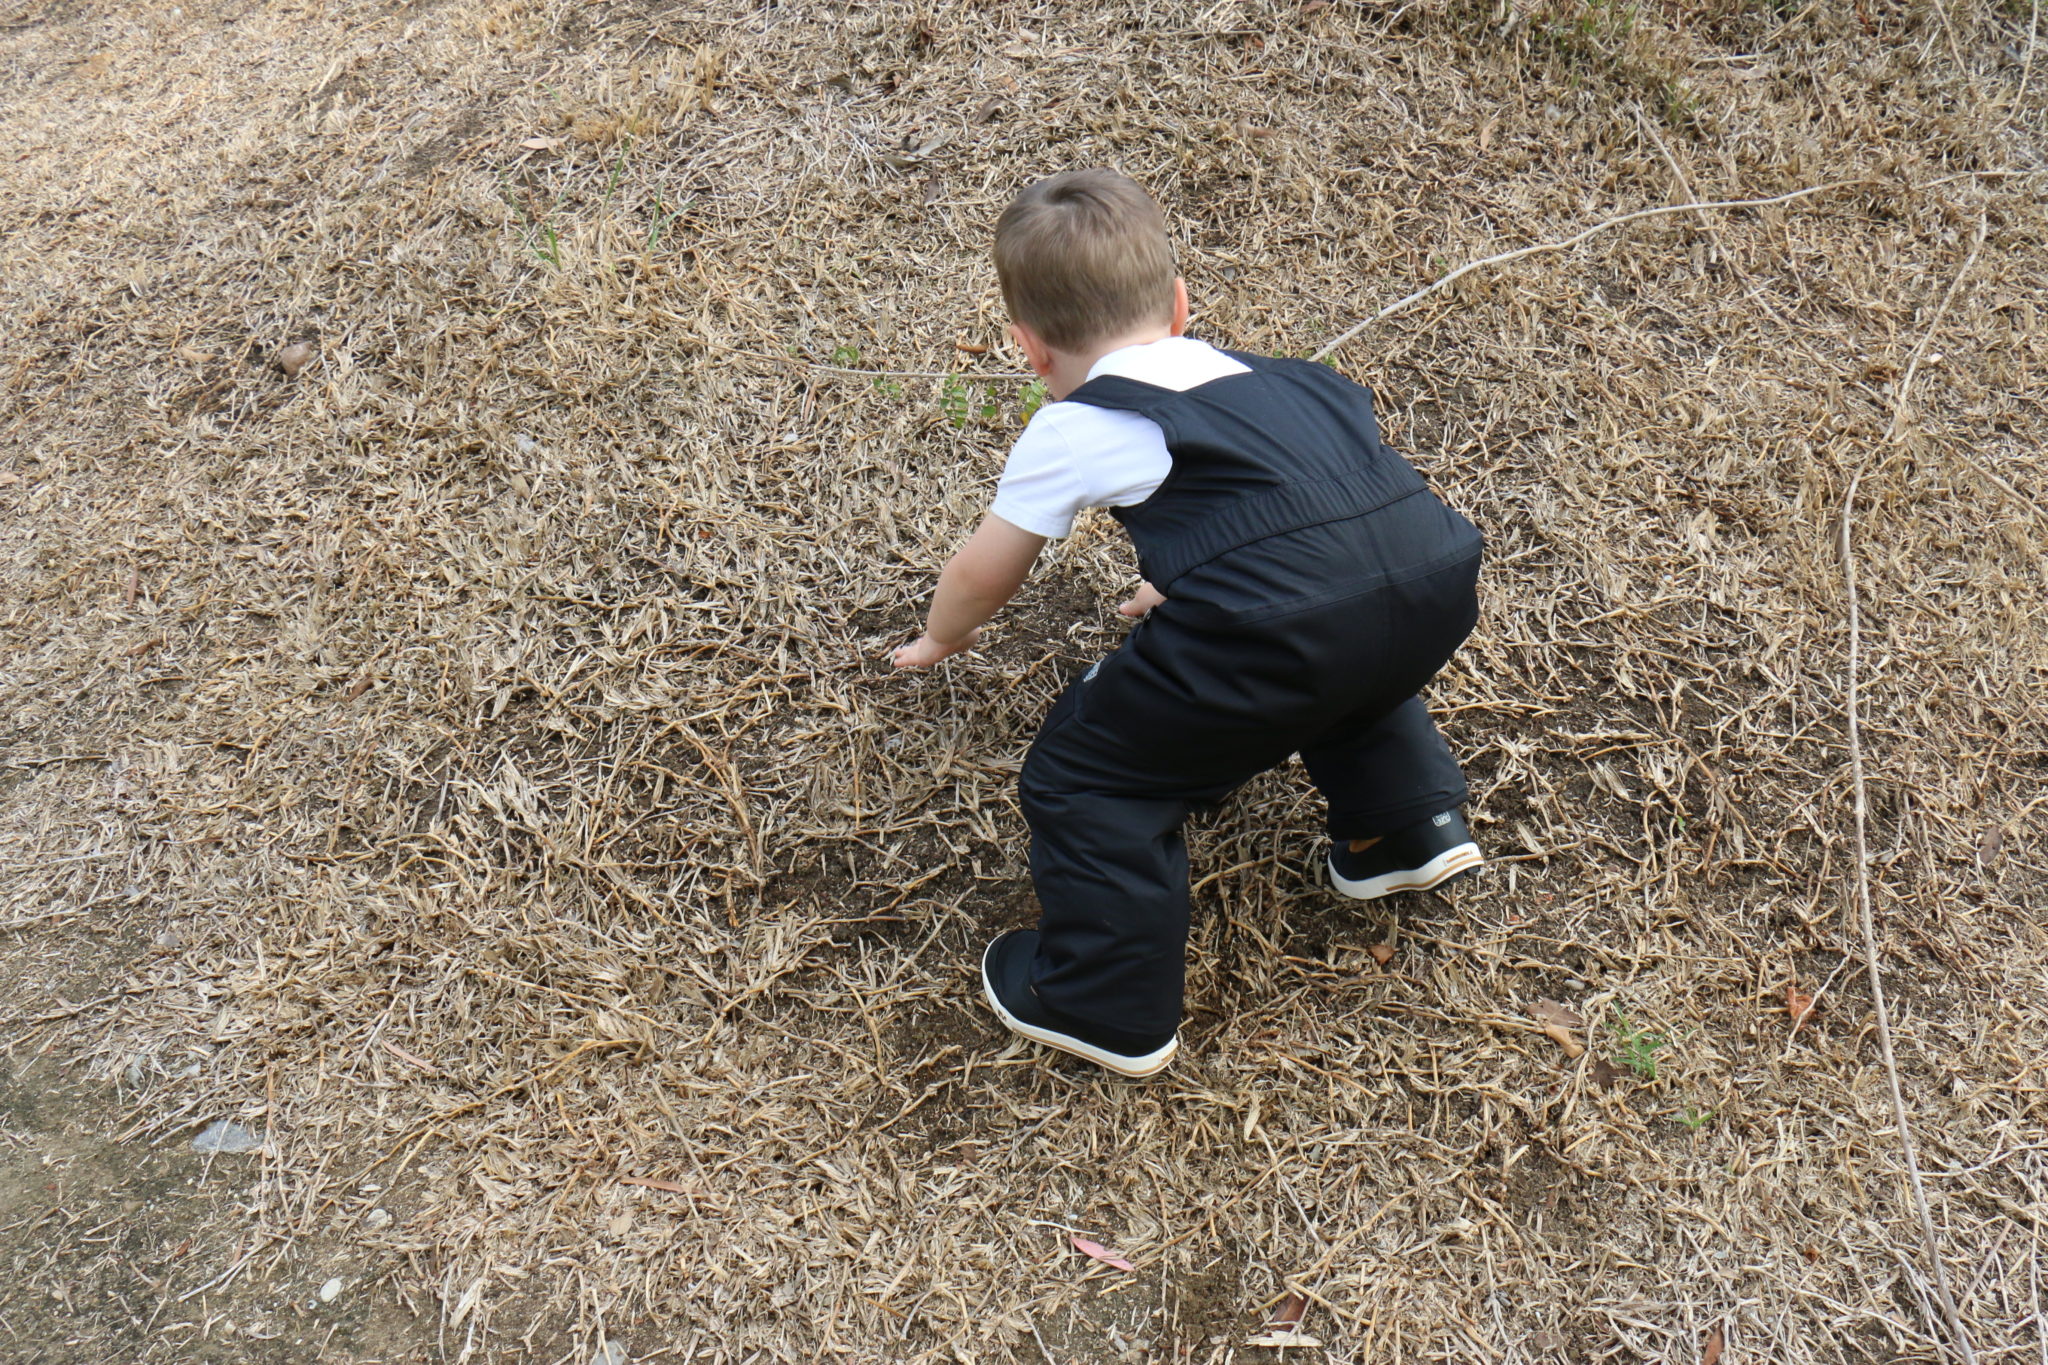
(1006, 981)
(1423, 855)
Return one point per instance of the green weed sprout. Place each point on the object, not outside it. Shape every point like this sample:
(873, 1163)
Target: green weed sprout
(1032, 398)
(548, 246)
(1639, 1047)
(954, 400)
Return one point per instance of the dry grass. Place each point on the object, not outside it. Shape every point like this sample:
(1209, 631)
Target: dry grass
(470, 762)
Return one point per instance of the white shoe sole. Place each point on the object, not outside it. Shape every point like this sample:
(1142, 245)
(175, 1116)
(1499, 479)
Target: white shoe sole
(1134, 1067)
(1435, 872)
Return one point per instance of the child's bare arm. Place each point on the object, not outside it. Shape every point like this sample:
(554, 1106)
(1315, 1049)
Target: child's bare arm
(977, 582)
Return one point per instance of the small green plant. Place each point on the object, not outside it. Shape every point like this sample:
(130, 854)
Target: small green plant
(1639, 1047)
(846, 356)
(618, 169)
(888, 388)
(962, 404)
(1032, 398)
(546, 245)
(1696, 1119)
(542, 240)
(664, 214)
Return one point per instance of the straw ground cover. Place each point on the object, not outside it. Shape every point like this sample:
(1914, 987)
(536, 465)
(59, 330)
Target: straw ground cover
(466, 761)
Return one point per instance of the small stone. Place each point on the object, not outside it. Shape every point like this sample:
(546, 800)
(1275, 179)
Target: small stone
(610, 1353)
(331, 1291)
(377, 1219)
(223, 1136)
(293, 358)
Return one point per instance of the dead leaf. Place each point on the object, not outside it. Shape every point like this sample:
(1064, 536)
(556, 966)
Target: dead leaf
(293, 358)
(362, 686)
(1605, 1073)
(971, 347)
(1314, 7)
(1282, 1339)
(1558, 1022)
(8, 480)
(195, 355)
(1710, 1354)
(1799, 1004)
(653, 1184)
(1382, 953)
(541, 144)
(1988, 846)
(1101, 1253)
(1545, 1341)
(1288, 1313)
(136, 651)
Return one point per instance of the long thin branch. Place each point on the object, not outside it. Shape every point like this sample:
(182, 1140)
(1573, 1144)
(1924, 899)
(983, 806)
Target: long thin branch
(1701, 208)
(1913, 368)
(1959, 1336)
(1569, 242)
(1941, 311)
(882, 374)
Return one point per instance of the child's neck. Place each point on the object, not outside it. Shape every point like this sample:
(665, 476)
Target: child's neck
(1070, 368)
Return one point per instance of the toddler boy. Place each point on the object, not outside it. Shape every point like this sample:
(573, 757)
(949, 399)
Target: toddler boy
(1301, 585)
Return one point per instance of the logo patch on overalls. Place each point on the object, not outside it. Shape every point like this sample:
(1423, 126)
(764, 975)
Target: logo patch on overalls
(1440, 820)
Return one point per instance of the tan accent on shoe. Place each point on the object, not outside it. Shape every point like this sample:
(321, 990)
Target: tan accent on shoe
(1361, 845)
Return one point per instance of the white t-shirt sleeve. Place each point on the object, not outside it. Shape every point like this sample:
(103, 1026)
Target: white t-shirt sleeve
(1041, 489)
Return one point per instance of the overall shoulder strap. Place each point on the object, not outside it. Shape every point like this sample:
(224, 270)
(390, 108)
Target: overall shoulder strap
(1135, 395)
(1121, 394)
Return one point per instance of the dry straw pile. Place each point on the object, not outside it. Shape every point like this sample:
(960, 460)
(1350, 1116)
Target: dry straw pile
(457, 749)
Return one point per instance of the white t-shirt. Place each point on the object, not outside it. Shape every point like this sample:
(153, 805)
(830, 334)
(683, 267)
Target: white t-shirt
(1074, 455)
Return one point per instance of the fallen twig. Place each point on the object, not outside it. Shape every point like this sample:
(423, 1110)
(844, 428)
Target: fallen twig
(1959, 1336)
(1569, 242)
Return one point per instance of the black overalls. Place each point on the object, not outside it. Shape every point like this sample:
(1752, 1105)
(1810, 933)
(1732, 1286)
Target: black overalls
(1313, 585)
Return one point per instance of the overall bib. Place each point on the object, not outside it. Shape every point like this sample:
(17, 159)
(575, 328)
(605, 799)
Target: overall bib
(1313, 585)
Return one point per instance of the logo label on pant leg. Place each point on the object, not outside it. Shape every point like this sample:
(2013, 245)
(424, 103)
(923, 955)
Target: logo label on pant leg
(1440, 820)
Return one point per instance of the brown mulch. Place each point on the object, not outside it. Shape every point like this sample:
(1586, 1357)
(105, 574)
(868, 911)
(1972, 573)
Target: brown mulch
(469, 761)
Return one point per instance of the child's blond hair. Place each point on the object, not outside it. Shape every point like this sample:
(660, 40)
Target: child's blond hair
(1083, 255)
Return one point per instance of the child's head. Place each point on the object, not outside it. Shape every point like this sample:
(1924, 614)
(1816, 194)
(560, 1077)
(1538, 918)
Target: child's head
(1083, 257)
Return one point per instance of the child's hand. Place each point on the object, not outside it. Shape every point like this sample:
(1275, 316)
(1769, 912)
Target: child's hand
(924, 651)
(1148, 597)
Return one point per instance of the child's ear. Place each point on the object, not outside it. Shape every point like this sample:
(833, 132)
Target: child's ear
(1036, 353)
(1180, 305)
